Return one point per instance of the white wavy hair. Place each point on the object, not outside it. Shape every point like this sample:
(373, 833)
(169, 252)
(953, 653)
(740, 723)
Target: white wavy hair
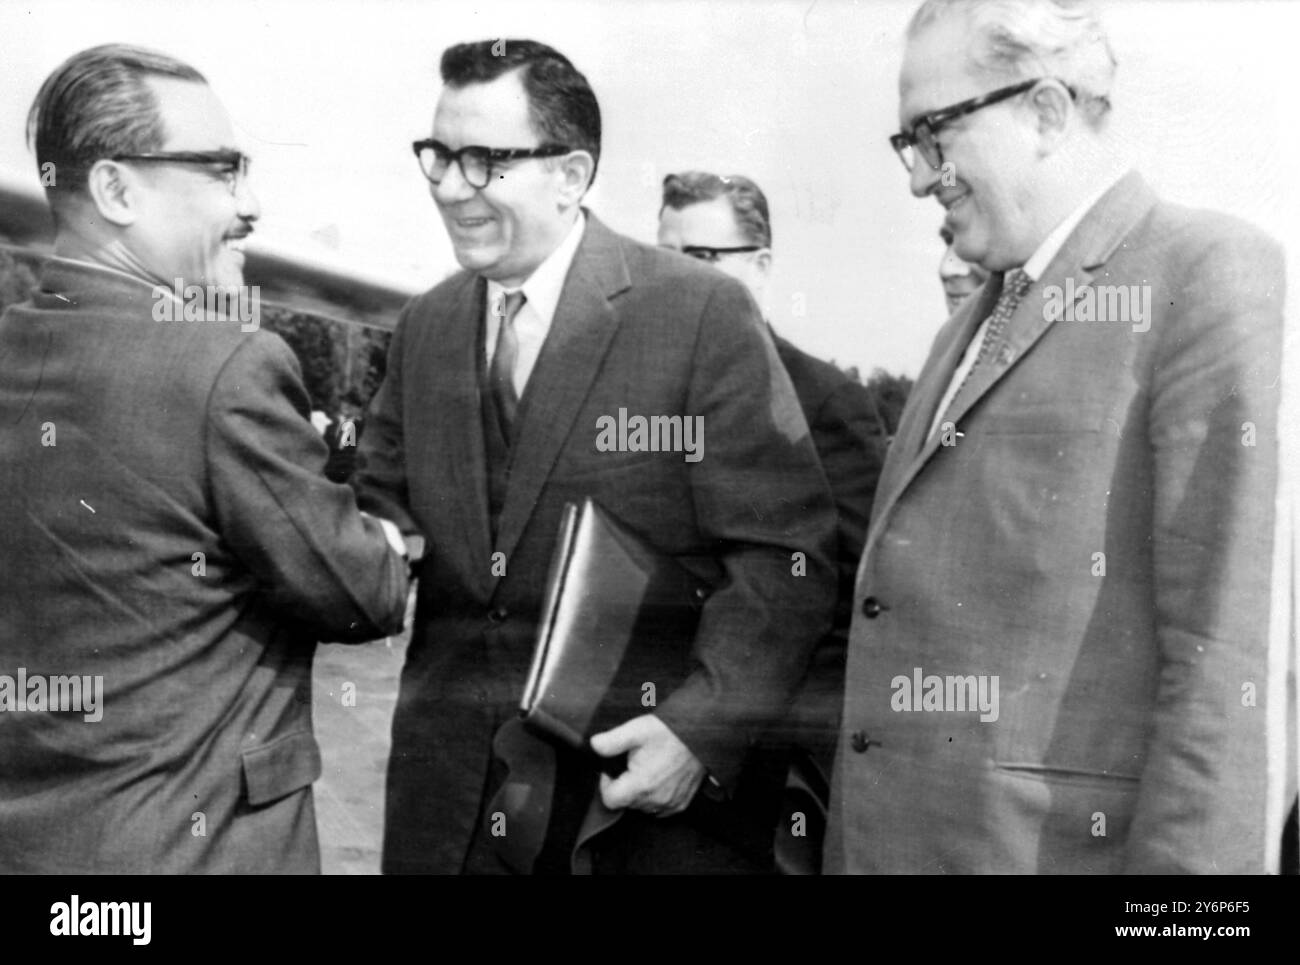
(1020, 39)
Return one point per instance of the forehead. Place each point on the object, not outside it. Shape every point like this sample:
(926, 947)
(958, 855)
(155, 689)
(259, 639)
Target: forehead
(936, 70)
(193, 118)
(709, 223)
(494, 114)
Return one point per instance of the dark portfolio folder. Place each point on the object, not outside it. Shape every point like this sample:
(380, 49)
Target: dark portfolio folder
(616, 631)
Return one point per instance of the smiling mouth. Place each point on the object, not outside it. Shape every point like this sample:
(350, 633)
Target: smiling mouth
(469, 224)
(953, 203)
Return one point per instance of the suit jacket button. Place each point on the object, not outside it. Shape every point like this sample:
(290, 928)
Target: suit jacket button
(498, 614)
(859, 742)
(872, 608)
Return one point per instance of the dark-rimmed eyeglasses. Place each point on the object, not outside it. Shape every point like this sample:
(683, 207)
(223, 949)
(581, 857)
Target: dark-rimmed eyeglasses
(923, 138)
(231, 166)
(476, 162)
(713, 255)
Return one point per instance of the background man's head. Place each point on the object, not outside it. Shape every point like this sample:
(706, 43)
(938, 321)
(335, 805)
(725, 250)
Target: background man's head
(960, 279)
(161, 218)
(1006, 172)
(708, 216)
(510, 95)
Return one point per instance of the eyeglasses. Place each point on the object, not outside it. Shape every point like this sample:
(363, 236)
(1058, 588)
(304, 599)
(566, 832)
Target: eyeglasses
(924, 135)
(231, 166)
(714, 255)
(476, 162)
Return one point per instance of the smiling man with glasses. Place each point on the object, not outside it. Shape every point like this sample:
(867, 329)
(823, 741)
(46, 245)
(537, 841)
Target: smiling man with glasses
(486, 425)
(1076, 512)
(167, 528)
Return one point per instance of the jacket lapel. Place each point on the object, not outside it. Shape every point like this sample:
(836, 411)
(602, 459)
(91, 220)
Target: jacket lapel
(454, 404)
(910, 441)
(581, 331)
(1088, 247)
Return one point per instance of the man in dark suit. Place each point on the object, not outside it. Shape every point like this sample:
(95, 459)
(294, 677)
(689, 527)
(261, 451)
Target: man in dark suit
(489, 420)
(171, 551)
(725, 222)
(1059, 653)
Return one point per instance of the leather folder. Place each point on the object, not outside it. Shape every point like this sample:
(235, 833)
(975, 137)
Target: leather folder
(615, 634)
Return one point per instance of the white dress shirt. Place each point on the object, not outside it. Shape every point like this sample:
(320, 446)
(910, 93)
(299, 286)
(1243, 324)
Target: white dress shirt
(1034, 268)
(542, 293)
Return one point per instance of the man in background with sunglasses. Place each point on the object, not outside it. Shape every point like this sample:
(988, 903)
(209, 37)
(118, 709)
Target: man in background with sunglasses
(488, 422)
(171, 552)
(724, 221)
(1058, 655)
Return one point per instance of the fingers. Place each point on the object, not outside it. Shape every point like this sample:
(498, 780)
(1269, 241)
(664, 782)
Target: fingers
(620, 739)
(662, 774)
(618, 793)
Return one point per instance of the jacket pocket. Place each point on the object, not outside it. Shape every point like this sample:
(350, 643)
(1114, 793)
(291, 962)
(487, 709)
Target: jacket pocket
(1073, 775)
(285, 765)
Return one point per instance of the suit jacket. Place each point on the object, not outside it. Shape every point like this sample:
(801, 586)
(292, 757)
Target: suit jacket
(1098, 540)
(849, 436)
(638, 329)
(168, 530)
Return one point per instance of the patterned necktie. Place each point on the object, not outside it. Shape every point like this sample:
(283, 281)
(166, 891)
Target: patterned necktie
(1014, 285)
(501, 373)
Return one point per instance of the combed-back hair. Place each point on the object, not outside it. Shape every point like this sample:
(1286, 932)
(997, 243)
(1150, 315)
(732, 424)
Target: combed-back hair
(748, 203)
(1023, 39)
(561, 104)
(97, 105)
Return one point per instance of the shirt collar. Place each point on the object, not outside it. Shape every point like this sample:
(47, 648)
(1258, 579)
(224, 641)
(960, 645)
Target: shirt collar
(543, 287)
(1053, 243)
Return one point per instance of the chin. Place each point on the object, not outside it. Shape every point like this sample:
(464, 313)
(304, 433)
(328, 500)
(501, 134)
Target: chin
(474, 259)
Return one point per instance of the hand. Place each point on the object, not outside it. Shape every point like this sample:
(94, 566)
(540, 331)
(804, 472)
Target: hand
(662, 774)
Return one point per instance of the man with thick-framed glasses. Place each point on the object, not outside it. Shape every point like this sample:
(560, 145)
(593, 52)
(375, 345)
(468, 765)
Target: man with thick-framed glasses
(1061, 616)
(488, 422)
(171, 551)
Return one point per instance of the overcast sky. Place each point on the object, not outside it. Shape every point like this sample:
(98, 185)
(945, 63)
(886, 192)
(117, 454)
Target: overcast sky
(801, 96)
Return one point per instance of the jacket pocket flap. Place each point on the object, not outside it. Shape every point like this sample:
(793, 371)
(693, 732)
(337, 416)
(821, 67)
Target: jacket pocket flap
(273, 770)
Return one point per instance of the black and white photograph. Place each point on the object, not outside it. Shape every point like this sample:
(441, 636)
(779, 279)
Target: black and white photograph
(741, 438)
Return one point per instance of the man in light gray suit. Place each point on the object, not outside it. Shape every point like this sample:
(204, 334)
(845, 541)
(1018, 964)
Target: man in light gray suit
(1058, 656)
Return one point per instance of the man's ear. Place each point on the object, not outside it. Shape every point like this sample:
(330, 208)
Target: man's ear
(114, 192)
(763, 259)
(1052, 106)
(577, 168)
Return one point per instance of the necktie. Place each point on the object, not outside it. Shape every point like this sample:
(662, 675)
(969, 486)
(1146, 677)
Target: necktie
(501, 373)
(1014, 285)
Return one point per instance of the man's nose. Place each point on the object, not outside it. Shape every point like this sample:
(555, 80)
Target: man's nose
(247, 205)
(453, 187)
(924, 178)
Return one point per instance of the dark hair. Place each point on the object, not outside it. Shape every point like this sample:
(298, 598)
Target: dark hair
(748, 203)
(97, 105)
(561, 104)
